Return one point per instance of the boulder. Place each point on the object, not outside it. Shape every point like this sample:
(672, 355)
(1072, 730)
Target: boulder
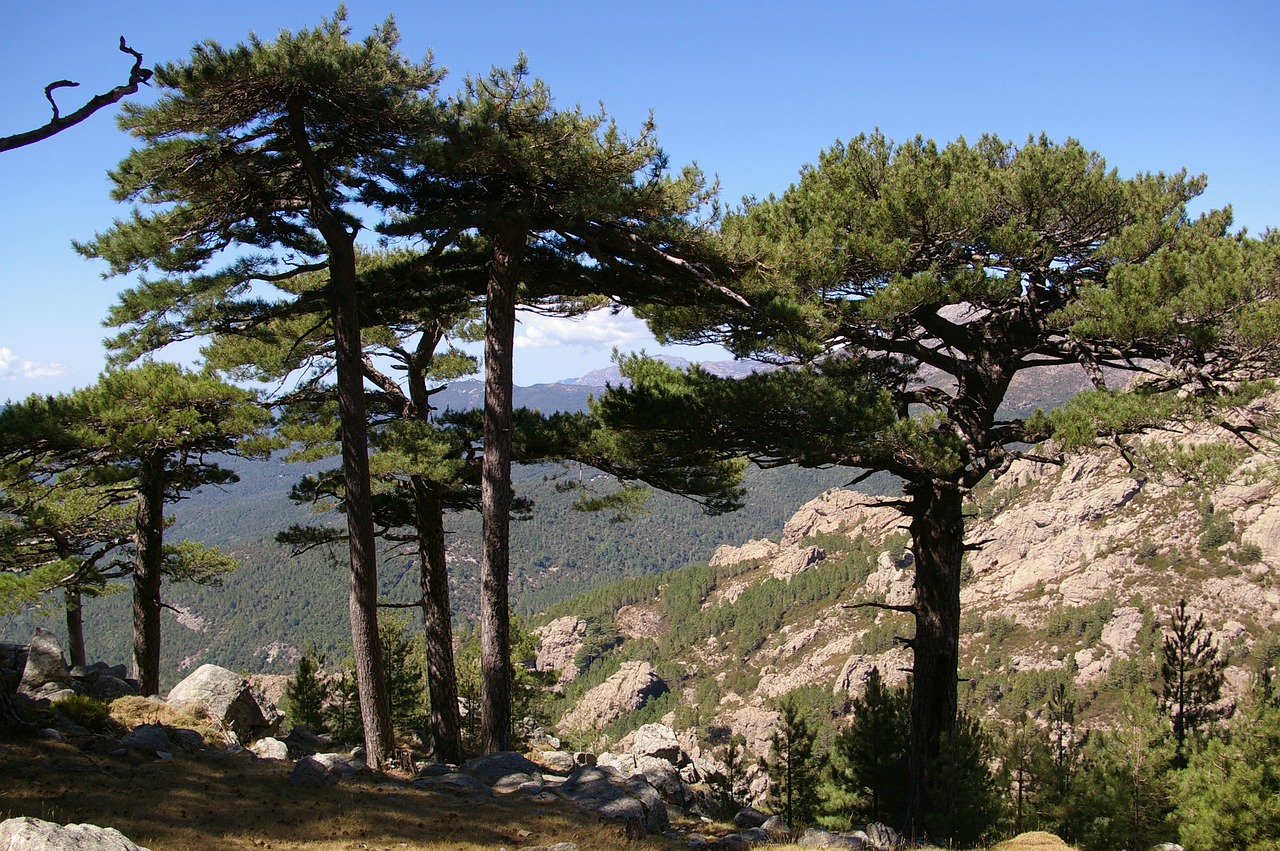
(302, 742)
(629, 802)
(147, 737)
(505, 772)
(229, 700)
(666, 779)
(555, 762)
(657, 741)
(462, 785)
(46, 668)
(108, 688)
(32, 834)
(880, 837)
(270, 748)
(817, 838)
(749, 817)
(627, 690)
(324, 769)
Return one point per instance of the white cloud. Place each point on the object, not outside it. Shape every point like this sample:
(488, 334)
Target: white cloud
(13, 367)
(598, 329)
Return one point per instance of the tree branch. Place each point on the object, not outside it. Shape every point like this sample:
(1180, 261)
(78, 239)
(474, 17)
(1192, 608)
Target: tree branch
(137, 76)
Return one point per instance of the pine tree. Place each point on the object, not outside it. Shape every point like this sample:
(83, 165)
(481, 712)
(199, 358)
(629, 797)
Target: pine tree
(790, 766)
(308, 692)
(149, 434)
(905, 286)
(869, 757)
(248, 174)
(571, 214)
(1192, 676)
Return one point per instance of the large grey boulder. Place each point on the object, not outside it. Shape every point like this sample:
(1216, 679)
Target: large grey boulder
(46, 669)
(32, 834)
(505, 772)
(630, 802)
(229, 700)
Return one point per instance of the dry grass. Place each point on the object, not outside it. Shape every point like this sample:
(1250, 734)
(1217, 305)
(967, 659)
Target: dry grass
(214, 800)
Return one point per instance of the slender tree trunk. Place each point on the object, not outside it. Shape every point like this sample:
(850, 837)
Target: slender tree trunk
(937, 530)
(437, 623)
(148, 565)
(75, 625)
(495, 495)
(371, 685)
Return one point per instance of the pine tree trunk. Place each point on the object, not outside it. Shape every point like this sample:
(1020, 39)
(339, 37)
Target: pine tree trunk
(75, 625)
(437, 622)
(148, 567)
(937, 530)
(375, 705)
(495, 495)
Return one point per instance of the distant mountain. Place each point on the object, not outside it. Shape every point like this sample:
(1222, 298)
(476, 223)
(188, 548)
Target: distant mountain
(722, 368)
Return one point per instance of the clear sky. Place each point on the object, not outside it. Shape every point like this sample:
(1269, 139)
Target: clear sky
(749, 90)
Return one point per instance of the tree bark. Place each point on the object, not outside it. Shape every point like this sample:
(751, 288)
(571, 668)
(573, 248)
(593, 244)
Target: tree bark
(437, 623)
(495, 494)
(147, 571)
(75, 625)
(937, 533)
(375, 706)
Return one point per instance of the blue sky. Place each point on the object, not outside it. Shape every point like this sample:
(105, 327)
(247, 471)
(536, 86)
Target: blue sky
(751, 91)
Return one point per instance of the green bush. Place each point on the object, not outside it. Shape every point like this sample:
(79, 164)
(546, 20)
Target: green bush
(88, 712)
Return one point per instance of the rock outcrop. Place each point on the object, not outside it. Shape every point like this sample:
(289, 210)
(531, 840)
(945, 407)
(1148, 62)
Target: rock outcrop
(627, 690)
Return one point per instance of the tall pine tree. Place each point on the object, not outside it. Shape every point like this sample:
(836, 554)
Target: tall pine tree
(249, 172)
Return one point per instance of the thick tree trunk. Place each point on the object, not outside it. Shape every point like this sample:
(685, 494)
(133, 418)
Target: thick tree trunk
(495, 495)
(937, 531)
(148, 567)
(437, 623)
(75, 625)
(371, 685)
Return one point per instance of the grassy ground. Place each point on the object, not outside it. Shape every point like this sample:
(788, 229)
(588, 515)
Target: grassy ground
(211, 800)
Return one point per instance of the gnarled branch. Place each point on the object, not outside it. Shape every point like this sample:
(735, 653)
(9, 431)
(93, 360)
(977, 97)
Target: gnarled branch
(137, 76)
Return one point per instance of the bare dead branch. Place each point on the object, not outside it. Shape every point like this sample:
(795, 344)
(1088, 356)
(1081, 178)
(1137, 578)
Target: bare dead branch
(137, 76)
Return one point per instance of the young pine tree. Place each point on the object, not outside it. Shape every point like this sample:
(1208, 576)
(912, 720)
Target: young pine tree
(1192, 676)
(308, 693)
(790, 766)
(869, 757)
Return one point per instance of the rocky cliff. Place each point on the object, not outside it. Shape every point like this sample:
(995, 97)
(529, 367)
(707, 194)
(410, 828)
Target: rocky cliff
(1076, 569)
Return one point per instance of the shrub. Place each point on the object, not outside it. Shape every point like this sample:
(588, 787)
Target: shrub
(88, 712)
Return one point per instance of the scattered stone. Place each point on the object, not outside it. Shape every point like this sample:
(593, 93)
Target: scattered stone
(302, 742)
(31, 834)
(50, 734)
(776, 828)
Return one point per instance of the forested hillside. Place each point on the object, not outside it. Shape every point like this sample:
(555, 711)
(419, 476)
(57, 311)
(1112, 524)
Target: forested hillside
(263, 615)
